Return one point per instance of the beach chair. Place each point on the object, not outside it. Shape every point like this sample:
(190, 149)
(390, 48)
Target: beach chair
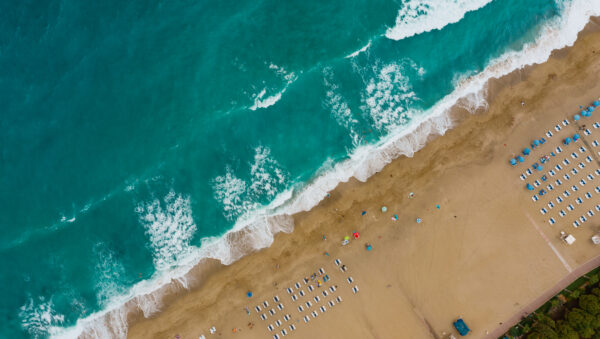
(280, 306)
(579, 201)
(276, 299)
(570, 207)
(549, 134)
(588, 195)
(292, 327)
(324, 293)
(338, 262)
(528, 172)
(311, 288)
(302, 293)
(270, 328)
(550, 187)
(289, 290)
(317, 299)
(565, 122)
(283, 332)
(574, 188)
(597, 208)
(523, 177)
(566, 176)
(275, 336)
(575, 224)
(543, 210)
(581, 165)
(558, 149)
(332, 289)
(355, 289)
(339, 298)
(574, 155)
(551, 172)
(582, 182)
(305, 281)
(306, 318)
(558, 182)
(297, 285)
(583, 219)
(590, 176)
(551, 221)
(257, 308)
(263, 316)
(588, 159)
(350, 280)
(343, 268)
(287, 317)
(558, 168)
(597, 189)
(265, 303)
(566, 194)
(331, 303)
(590, 213)
(566, 161)
(308, 304)
(278, 323)
(596, 125)
(587, 132)
(581, 149)
(557, 128)
(559, 199)
(574, 171)
(595, 143)
(300, 309)
(314, 314)
(323, 309)
(598, 172)
(294, 297)
(534, 198)
(562, 213)
(272, 311)
(536, 183)
(321, 270)
(550, 205)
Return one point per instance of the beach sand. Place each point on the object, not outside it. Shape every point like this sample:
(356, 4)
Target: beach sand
(485, 254)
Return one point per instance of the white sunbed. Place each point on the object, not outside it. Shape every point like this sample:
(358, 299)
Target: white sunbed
(292, 327)
(338, 262)
(278, 323)
(339, 298)
(270, 328)
(314, 314)
(283, 332)
(287, 317)
(306, 318)
(300, 309)
(263, 316)
(276, 299)
(331, 303)
(265, 303)
(355, 289)
(350, 280)
(280, 306)
(321, 270)
(317, 299)
(323, 309)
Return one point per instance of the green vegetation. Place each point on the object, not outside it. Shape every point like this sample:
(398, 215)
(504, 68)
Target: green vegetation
(573, 313)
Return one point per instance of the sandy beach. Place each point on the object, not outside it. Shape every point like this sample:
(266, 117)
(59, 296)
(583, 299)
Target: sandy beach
(484, 254)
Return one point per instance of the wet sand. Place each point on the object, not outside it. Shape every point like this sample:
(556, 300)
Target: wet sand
(485, 254)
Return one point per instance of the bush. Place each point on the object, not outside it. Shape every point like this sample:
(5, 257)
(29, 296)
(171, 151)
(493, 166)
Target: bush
(590, 303)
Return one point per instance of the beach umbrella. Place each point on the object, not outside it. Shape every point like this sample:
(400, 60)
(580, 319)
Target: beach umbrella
(383, 209)
(520, 158)
(356, 235)
(596, 103)
(346, 238)
(529, 187)
(539, 167)
(249, 294)
(369, 247)
(513, 161)
(590, 109)
(526, 151)
(419, 220)
(576, 117)
(583, 112)
(575, 136)
(567, 141)
(536, 142)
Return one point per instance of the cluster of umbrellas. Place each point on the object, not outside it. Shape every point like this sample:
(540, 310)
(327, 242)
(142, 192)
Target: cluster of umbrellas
(568, 140)
(587, 112)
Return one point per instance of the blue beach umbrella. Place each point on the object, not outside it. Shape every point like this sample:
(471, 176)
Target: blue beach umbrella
(576, 117)
(513, 161)
(567, 141)
(575, 136)
(529, 187)
(249, 294)
(520, 158)
(583, 113)
(526, 151)
(539, 167)
(536, 142)
(596, 103)
(590, 109)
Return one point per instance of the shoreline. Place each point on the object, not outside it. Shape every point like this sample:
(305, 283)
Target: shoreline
(174, 292)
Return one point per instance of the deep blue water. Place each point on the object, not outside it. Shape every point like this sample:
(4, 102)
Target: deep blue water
(132, 130)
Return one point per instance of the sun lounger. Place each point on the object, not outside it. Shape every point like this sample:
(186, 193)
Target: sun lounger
(551, 205)
(551, 172)
(575, 224)
(597, 208)
(310, 288)
(339, 298)
(557, 128)
(597, 189)
(301, 293)
(566, 161)
(559, 199)
(598, 172)
(550, 187)
(350, 280)
(570, 207)
(355, 289)
(595, 143)
(565, 122)
(566, 176)
(543, 211)
(590, 213)
(590, 176)
(574, 155)
(581, 149)
(265, 303)
(306, 318)
(581, 165)
(536, 183)
(562, 213)
(574, 171)
(551, 221)
(338, 262)
(558, 168)
(263, 316)
(549, 134)
(582, 218)
(558, 149)
(528, 171)
(276, 299)
(321, 270)
(294, 297)
(579, 201)
(587, 132)
(332, 289)
(596, 125)
(297, 285)
(582, 182)
(270, 328)
(278, 323)
(323, 309)
(283, 332)
(343, 268)
(523, 177)
(257, 308)
(566, 194)
(314, 314)
(300, 309)
(287, 317)
(534, 198)
(289, 290)
(574, 188)
(331, 303)
(588, 195)
(558, 182)
(324, 293)
(308, 304)
(292, 327)
(280, 306)
(317, 299)
(588, 159)
(272, 311)
(275, 336)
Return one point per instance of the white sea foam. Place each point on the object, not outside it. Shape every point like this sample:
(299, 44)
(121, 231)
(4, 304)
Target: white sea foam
(418, 16)
(338, 106)
(362, 49)
(108, 271)
(170, 226)
(255, 230)
(262, 100)
(38, 317)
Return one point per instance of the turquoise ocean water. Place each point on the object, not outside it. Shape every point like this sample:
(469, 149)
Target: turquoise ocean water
(135, 134)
